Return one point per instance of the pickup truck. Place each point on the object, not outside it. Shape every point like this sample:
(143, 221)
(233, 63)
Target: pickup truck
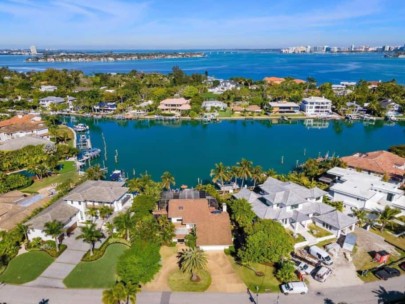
(322, 273)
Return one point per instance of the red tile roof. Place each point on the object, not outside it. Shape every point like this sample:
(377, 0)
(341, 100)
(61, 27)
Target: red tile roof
(22, 123)
(380, 162)
(212, 229)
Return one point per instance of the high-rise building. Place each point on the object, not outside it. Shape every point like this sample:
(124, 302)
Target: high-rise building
(33, 50)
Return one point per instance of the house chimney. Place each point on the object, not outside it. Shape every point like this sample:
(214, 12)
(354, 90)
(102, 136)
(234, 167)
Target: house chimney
(224, 207)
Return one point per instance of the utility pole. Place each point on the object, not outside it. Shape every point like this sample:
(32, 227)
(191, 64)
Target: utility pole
(257, 294)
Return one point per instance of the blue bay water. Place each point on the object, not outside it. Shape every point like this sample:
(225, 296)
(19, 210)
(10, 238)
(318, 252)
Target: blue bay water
(190, 149)
(251, 64)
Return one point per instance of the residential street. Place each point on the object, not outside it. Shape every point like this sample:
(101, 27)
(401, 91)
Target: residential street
(366, 293)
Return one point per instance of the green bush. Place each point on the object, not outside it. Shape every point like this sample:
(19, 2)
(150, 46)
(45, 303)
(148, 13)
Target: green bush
(99, 252)
(230, 251)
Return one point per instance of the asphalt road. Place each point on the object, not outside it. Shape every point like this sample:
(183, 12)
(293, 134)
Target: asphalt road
(369, 293)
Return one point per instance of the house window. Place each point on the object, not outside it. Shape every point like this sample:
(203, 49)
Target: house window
(180, 207)
(390, 196)
(327, 226)
(294, 206)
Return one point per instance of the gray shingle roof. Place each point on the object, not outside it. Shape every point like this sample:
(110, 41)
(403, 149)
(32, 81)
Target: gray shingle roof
(288, 193)
(337, 219)
(59, 211)
(316, 208)
(97, 191)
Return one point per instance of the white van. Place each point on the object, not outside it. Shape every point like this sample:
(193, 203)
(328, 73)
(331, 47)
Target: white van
(294, 287)
(322, 274)
(321, 255)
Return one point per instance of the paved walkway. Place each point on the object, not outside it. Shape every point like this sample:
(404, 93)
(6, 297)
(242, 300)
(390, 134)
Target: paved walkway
(54, 275)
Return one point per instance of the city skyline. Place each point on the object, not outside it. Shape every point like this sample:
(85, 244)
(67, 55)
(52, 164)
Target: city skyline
(204, 24)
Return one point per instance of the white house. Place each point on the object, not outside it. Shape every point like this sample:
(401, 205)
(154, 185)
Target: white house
(58, 211)
(23, 125)
(72, 209)
(214, 104)
(48, 88)
(317, 106)
(224, 85)
(46, 102)
(365, 191)
(295, 207)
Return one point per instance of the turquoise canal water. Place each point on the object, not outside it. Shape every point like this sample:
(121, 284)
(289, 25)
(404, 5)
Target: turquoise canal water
(251, 64)
(190, 149)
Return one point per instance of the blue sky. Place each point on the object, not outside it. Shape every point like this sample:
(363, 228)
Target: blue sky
(161, 24)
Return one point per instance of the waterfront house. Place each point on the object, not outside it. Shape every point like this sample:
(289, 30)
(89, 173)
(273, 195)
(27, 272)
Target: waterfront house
(212, 226)
(174, 105)
(354, 108)
(46, 102)
(48, 88)
(214, 104)
(23, 125)
(72, 209)
(361, 190)
(316, 106)
(237, 109)
(284, 107)
(295, 207)
(391, 108)
(95, 194)
(105, 107)
(253, 109)
(379, 163)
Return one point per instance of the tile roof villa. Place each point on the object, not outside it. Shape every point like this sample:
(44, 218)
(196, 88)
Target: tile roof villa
(19, 126)
(295, 206)
(175, 104)
(378, 162)
(213, 227)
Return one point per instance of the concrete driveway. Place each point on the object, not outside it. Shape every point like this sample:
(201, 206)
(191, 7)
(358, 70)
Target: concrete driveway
(343, 275)
(54, 275)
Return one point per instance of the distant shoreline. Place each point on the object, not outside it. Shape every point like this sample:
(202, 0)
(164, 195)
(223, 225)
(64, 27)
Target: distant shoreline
(112, 57)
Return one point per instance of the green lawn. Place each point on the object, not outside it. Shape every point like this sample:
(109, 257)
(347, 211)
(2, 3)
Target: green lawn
(227, 113)
(97, 274)
(26, 267)
(180, 281)
(67, 166)
(67, 172)
(266, 283)
(317, 231)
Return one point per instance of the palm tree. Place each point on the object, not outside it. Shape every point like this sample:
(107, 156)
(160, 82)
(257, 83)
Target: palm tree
(221, 173)
(54, 229)
(23, 231)
(361, 215)
(92, 212)
(192, 260)
(105, 211)
(167, 180)
(90, 234)
(95, 173)
(244, 169)
(387, 215)
(124, 222)
(121, 293)
(257, 175)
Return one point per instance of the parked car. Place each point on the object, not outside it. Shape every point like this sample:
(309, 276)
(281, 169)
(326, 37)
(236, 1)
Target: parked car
(321, 255)
(402, 266)
(304, 267)
(385, 273)
(322, 273)
(294, 287)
